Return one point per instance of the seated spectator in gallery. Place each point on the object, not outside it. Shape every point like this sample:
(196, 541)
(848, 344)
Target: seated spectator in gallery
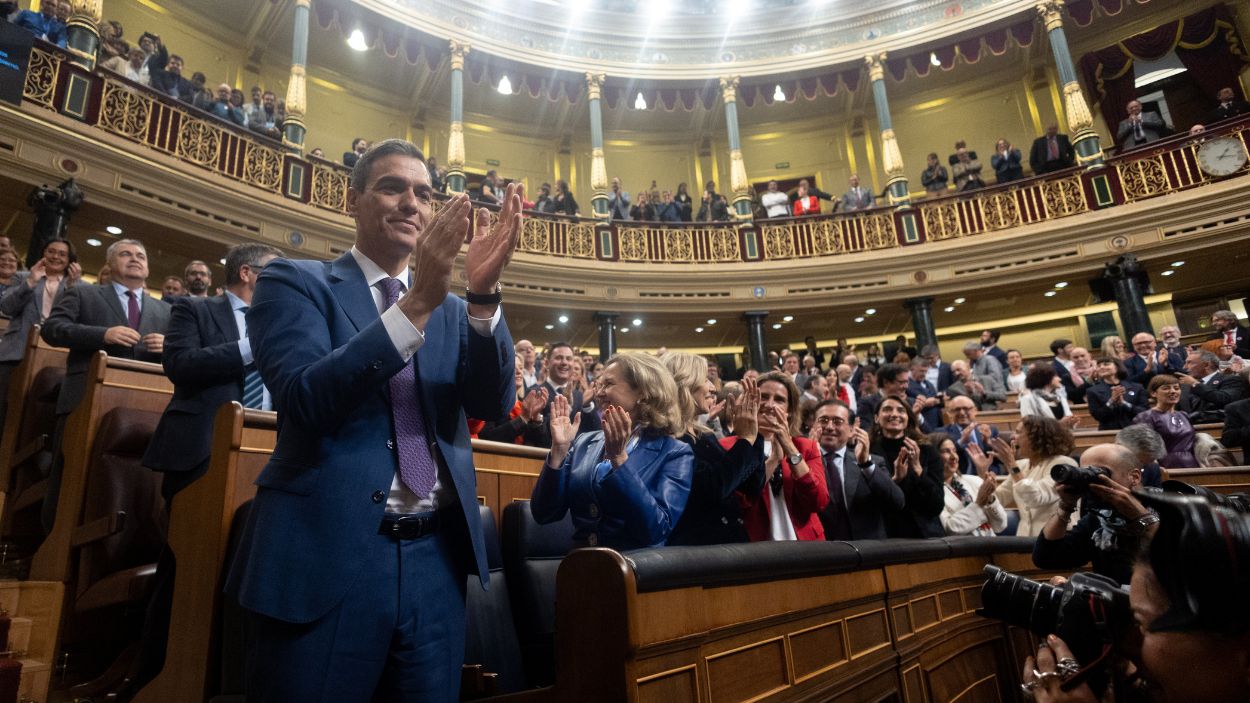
(985, 392)
(643, 210)
(204, 96)
(544, 202)
(1114, 400)
(856, 197)
(43, 24)
(669, 210)
(1044, 395)
(775, 202)
(359, 146)
(626, 485)
(268, 119)
(787, 506)
(132, 65)
(317, 152)
(970, 504)
(172, 287)
(563, 199)
(1228, 106)
(895, 437)
(220, 107)
(714, 207)
(1171, 424)
(934, 177)
(1040, 444)
(1006, 162)
(967, 172)
(684, 201)
(1139, 128)
(111, 43)
(1051, 152)
(953, 157)
(488, 191)
(805, 202)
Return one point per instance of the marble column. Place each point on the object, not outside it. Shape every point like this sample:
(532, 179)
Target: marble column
(606, 322)
(755, 339)
(83, 32)
(455, 144)
(739, 186)
(922, 320)
(1125, 277)
(294, 128)
(1085, 140)
(891, 158)
(598, 169)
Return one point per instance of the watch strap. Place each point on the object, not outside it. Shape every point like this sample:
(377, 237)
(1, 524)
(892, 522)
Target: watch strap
(484, 298)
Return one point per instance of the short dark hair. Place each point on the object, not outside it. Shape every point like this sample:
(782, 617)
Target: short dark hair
(889, 372)
(68, 244)
(248, 254)
(556, 345)
(811, 381)
(1039, 376)
(993, 335)
(1120, 372)
(175, 56)
(356, 141)
(384, 148)
(837, 403)
(1058, 344)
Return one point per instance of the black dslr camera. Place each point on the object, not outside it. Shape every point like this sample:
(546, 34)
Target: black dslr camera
(1078, 479)
(1090, 613)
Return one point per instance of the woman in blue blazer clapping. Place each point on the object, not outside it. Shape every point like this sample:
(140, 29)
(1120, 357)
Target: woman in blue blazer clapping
(627, 485)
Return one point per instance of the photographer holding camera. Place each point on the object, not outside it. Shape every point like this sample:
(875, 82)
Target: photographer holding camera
(1184, 626)
(1113, 521)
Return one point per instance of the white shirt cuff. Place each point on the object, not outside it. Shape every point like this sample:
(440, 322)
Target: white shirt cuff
(485, 326)
(245, 351)
(404, 335)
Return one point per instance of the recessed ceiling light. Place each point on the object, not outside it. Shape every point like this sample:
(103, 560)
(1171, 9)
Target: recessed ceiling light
(950, 308)
(960, 301)
(505, 86)
(711, 322)
(1177, 264)
(776, 325)
(640, 103)
(357, 41)
(1049, 294)
(1061, 284)
(788, 318)
(870, 311)
(551, 327)
(778, 94)
(94, 242)
(859, 319)
(698, 329)
(637, 322)
(624, 329)
(1167, 272)
(934, 60)
(563, 319)
(223, 261)
(113, 230)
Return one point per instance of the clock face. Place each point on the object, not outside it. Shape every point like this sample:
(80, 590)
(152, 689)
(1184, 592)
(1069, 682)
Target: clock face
(1222, 157)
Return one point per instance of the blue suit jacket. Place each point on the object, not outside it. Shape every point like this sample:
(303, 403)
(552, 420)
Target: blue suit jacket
(326, 359)
(636, 505)
(1137, 372)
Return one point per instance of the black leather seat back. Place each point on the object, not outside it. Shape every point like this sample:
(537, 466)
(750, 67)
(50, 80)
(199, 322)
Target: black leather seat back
(491, 637)
(117, 482)
(233, 642)
(38, 418)
(531, 556)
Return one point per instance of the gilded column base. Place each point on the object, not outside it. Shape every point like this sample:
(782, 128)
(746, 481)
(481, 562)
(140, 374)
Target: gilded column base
(82, 41)
(293, 131)
(1088, 148)
(742, 206)
(455, 179)
(599, 203)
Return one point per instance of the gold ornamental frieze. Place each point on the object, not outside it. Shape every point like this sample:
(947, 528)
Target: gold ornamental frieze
(41, 73)
(124, 111)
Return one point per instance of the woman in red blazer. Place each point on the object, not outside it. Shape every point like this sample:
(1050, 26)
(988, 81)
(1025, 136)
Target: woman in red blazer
(805, 203)
(787, 506)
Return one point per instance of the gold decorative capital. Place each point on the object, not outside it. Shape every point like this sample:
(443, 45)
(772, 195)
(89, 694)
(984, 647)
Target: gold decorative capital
(891, 158)
(738, 182)
(1051, 12)
(598, 170)
(1074, 104)
(455, 147)
(303, 3)
(458, 51)
(296, 94)
(876, 66)
(594, 85)
(91, 10)
(729, 88)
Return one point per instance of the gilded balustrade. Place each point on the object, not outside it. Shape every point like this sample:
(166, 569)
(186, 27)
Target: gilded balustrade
(137, 114)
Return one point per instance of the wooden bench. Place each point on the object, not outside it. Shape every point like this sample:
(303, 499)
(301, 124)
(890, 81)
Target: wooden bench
(1084, 439)
(110, 383)
(1005, 420)
(199, 533)
(21, 439)
(1221, 479)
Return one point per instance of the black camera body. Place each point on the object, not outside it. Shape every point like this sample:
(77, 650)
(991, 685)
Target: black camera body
(1077, 478)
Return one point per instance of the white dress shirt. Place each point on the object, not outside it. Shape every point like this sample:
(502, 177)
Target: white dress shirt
(239, 308)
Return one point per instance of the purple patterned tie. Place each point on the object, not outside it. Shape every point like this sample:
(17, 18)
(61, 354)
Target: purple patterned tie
(132, 310)
(416, 463)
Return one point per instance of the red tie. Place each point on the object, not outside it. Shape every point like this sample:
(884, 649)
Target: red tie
(132, 310)
(1230, 338)
(1054, 150)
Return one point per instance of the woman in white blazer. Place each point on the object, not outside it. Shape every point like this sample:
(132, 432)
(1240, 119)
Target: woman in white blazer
(971, 506)
(1041, 444)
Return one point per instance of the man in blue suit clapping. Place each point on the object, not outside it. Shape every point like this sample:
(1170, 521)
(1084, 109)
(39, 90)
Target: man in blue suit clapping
(353, 561)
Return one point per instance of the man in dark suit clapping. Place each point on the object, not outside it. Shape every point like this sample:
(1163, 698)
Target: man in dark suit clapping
(1052, 152)
(861, 487)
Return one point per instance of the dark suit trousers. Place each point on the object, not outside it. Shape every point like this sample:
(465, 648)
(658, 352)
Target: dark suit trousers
(398, 634)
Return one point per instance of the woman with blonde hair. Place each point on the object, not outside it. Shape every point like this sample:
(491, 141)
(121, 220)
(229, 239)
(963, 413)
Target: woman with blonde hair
(627, 484)
(721, 467)
(1113, 347)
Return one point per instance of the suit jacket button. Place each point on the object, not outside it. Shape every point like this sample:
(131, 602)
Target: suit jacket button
(379, 496)
(593, 539)
(375, 366)
(390, 444)
(594, 510)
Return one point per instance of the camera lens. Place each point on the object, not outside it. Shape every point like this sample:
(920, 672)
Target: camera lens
(1021, 602)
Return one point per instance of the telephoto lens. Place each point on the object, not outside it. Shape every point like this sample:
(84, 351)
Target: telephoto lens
(1078, 478)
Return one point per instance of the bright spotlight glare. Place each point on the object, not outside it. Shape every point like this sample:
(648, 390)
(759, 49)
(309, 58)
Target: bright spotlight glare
(859, 319)
(778, 94)
(640, 103)
(505, 86)
(113, 230)
(563, 319)
(933, 59)
(357, 41)
(637, 322)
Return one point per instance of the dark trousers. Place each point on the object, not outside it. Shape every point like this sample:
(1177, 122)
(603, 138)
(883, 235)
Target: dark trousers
(398, 634)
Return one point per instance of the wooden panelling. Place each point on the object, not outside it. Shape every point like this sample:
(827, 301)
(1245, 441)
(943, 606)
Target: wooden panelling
(1231, 479)
(818, 649)
(868, 632)
(749, 673)
(675, 685)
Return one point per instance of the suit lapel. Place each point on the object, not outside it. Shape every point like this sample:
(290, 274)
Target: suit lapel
(347, 282)
(114, 303)
(223, 316)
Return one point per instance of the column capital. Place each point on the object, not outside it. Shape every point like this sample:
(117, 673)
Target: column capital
(603, 316)
(91, 10)
(729, 88)
(303, 3)
(458, 51)
(296, 94)
(876, 66)
(1051, 12)
(594, 85)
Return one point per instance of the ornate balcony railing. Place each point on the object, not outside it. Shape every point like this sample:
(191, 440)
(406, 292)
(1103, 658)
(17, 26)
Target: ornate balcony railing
(119, 107)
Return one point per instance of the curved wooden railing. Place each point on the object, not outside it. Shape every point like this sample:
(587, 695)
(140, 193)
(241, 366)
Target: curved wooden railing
(109, 102)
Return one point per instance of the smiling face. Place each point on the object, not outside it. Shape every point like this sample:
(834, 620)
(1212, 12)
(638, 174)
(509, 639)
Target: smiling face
(8, 264)
(962, 410)
(56, 258)
(129, 264)
(612, 389)
(560, 365)
(393, 209)
(775, 396)
(950, 458)
(1167, 395)
(892, 418)
(833, 428)
(1143, 343)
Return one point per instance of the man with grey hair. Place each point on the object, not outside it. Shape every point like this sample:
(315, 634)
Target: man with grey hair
(983, 364)
(984, 391)
(1170, 335)
(1113, 522)
(1143, 441)
(1227, 328)
(1205, 391)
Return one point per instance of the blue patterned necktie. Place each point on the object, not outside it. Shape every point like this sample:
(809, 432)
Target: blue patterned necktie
(416, 462)
(253, 386)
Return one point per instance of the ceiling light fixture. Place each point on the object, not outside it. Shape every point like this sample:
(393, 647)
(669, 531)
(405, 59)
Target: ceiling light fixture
(788, 318)
(505, 86)
(624, 329)
(960, 301)
(778, 94)
(859, 319)
(563, 319)
(113, 230)
(776, 325)
(1167, 272)
(357, 41)
(950, 308)
(94, 242)
(637, 322)
(698, 329)
(1049, 294)
(640, 103)
(933, 59)
(223, 261)
(1177, 264)
(711, 322)
(551, 327)
(870, 311)
(1061, 284)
